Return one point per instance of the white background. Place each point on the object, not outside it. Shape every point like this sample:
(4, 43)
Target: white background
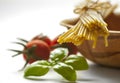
(27, 18)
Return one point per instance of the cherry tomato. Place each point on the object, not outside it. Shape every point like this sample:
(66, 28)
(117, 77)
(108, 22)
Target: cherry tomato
(36, 50)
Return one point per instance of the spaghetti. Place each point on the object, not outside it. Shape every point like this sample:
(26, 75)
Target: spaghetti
(90, 25)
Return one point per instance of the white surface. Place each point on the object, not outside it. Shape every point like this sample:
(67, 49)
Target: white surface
(27, 18)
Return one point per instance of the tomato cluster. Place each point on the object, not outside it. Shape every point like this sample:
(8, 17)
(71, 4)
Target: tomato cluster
(40, 46)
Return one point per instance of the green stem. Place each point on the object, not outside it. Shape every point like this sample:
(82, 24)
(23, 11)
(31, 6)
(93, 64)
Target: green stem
(23, 40)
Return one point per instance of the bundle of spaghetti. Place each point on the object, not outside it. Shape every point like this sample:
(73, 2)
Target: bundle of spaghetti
(90, 26)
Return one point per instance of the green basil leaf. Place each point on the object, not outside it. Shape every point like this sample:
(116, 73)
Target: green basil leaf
(58, 54)
(36, 70)
(41, 62)
(66, 71)
(77, 62)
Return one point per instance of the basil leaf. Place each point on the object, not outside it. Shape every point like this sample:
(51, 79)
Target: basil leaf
(36, 70)
(58, 54)
(41, 62)
(66, 71)
(77, 62)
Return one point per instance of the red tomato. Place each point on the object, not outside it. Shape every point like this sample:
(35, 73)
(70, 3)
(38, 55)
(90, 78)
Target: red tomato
(54, 41)
(36, 50)
(43, 38)
(71, 47)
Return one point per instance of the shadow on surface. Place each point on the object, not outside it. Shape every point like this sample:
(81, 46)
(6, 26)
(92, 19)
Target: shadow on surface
(60, 80)
(105, 73)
